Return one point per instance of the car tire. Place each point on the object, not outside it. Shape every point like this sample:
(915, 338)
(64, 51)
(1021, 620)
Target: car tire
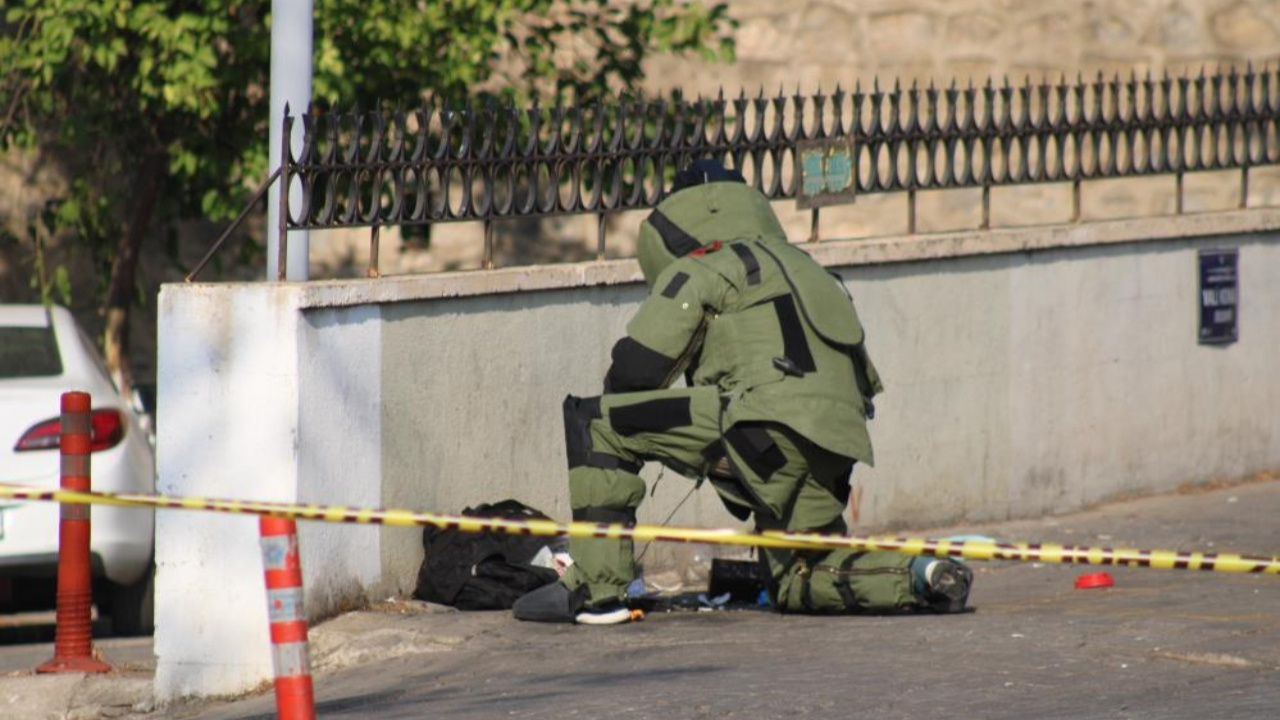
(33, 594)
(132, 607)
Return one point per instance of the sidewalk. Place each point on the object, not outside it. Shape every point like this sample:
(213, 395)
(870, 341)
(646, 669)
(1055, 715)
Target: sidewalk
(1158, 644)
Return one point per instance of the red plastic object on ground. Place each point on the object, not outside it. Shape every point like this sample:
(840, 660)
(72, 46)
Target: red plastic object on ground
(73, 636)
(295, 694)
(1094, 580)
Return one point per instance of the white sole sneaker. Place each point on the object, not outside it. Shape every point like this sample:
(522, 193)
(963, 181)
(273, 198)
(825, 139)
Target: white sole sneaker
(613, 616)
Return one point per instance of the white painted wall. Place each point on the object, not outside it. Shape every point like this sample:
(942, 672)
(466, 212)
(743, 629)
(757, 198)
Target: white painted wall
(1029, 371)
(229, 373)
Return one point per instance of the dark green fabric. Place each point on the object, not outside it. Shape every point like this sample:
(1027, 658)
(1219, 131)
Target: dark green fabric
(822, 298)
(809, 491)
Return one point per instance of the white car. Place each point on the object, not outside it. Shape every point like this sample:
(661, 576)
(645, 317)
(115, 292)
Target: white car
(44, 353)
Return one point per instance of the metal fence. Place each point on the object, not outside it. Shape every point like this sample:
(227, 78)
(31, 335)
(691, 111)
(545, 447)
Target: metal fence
(489, 162)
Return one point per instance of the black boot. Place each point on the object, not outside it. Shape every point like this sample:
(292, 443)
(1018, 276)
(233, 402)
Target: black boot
(551, 603)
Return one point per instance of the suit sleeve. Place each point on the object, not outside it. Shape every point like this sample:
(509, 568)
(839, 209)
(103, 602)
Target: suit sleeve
(666, 331)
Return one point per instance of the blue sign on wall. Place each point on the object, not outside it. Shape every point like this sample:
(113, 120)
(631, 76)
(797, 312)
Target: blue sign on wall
(827, 172)
(1219, 296)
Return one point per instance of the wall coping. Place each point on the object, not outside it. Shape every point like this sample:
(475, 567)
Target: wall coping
(831, 253)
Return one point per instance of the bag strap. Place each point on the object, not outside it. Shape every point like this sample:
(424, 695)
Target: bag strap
(842, 583)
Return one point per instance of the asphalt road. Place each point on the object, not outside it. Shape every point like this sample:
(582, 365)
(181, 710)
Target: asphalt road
(1159, 644)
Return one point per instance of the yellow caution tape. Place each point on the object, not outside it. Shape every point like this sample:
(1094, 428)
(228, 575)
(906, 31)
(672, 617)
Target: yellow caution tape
(970, 549)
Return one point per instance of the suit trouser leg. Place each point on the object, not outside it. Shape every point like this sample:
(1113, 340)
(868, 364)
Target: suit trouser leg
(608, 439)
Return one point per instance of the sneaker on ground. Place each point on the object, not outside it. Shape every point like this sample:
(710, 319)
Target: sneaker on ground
(611, 614)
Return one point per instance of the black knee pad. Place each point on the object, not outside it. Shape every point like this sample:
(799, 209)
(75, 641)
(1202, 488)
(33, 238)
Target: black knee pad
(606, 516)
(578, 414)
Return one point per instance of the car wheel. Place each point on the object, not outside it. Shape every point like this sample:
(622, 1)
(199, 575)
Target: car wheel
(133, 606)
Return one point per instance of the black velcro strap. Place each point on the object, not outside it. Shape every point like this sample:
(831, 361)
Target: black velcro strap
(843, 489)
(748, 259)
(794, 344)
(636, 367)
(756, 448)
(607, 516)
(673, 288)
(713, 452)
(651, 416)
(678, 242)
(605, 461)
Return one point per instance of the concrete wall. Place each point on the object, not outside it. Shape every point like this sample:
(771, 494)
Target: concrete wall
(825, 42)
(1028, 371)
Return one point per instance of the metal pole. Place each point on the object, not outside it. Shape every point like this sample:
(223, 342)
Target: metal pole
(373, 252)
(282, 211)
(600, 236)
(257, 197)
(486, 262)
(291, 31)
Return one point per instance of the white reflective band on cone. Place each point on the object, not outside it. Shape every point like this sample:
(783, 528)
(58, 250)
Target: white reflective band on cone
(290, 659)
(276, 550)
(285, 605)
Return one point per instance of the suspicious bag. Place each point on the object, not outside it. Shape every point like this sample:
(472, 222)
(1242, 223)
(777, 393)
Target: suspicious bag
(486, 570)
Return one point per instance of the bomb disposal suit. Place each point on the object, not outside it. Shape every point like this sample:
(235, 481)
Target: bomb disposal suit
(779, 388)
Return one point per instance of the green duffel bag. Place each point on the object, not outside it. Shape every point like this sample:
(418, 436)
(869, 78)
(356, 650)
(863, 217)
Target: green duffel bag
(845, 581)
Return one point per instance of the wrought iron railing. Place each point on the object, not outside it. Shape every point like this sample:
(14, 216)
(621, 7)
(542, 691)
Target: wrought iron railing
(489, 162)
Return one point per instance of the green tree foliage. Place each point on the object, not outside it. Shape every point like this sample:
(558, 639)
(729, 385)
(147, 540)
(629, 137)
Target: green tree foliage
(157, 110)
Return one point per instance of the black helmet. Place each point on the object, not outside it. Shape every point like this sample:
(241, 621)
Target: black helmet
(704, 171)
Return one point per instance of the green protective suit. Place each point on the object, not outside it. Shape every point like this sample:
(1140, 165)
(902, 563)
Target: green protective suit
(774, 411)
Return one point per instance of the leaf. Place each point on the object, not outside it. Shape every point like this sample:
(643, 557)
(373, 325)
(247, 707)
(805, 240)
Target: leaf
(62, 283)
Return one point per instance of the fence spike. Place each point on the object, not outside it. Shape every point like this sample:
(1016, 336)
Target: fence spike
(570, 140)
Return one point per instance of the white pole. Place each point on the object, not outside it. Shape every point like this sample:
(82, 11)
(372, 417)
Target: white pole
(290, 83)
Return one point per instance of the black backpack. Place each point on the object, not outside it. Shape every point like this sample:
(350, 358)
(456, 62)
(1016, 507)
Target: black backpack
(486, 570)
